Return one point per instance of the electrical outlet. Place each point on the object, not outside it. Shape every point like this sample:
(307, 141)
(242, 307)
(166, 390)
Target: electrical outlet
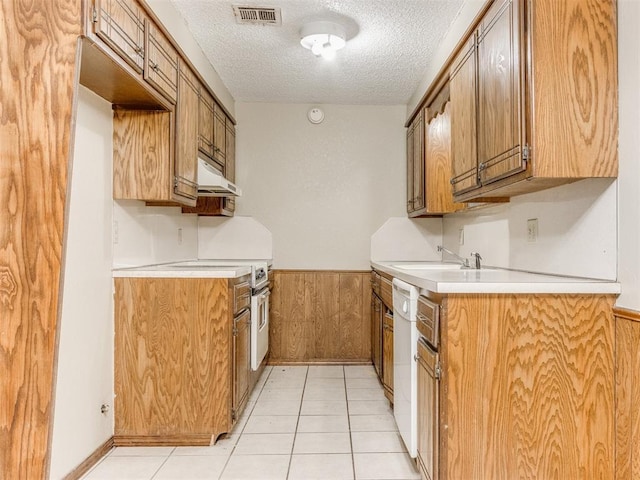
(116, 233)
(179, 235)
(461, 236)
(532, 230)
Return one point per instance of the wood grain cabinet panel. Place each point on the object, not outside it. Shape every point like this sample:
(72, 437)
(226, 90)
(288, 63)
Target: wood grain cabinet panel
(320, 316)
(528, 386)
(463, 94)
(428, 413)
(161, 62)
(220, 135)
(120, 24)
(534, 98)
(387, 353)
(205, 124)
(376, 334)
(186, 133)
(181, 360)
(627, 394)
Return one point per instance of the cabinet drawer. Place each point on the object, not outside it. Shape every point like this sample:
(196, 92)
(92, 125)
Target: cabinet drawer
(161, 62)
(241, 297)
(386, 292)
(120, 23)
(428, 320)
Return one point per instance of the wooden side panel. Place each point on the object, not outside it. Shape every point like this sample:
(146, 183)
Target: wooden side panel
(418, 163)
(172, 363)
(439, 197)
(575, 88)
(320, 317)
(38, 76)
(141, 155)
(627, 394)
(530, 387)
(186, 132)
(230, 144)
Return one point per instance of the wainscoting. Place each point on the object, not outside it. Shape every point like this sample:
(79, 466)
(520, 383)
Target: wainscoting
(320, 317)
(627, 394)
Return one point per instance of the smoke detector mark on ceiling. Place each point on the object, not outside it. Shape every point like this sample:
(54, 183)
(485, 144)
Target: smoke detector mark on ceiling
(257, 15)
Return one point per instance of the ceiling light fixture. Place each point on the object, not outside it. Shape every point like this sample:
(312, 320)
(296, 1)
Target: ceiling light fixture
(323, 38)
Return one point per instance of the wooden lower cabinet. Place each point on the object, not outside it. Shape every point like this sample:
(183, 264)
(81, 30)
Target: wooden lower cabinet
(387, 353)
(428, 411)
(242, 361)
(376, 333)
(527, 388)
(181, 371)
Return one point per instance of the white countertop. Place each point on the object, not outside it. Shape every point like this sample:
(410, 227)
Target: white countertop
(448, 278)
(188, 269)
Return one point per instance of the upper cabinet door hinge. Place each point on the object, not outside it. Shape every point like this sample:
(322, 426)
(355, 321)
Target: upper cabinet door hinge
(438, 372)
(526, 153)
(94, 15)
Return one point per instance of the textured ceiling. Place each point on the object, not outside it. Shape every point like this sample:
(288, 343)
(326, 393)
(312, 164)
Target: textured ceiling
(389, 46)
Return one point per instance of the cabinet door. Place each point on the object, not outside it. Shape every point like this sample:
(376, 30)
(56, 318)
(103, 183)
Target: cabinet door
(161, 62)
(230, 143)
(463, 95)
(387, 352)
(376, 333)
(500, 90)
(242, 361)
(220, 135)
(428, 412)
(205, 123)
(186, 133)
(410, 134)
(418, 163)
(120, 24)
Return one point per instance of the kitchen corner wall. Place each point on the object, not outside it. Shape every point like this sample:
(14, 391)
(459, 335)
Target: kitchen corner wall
(85, 355)
(322, 190)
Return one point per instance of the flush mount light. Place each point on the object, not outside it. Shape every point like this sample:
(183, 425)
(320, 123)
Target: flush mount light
(323, 38)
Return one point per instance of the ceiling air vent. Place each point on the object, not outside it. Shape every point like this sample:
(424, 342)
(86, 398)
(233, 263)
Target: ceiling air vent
(257, 15)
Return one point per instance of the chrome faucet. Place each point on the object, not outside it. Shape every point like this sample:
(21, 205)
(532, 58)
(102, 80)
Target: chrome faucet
(464, 261)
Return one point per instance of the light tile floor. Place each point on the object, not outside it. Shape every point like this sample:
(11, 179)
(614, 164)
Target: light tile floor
(300, 423)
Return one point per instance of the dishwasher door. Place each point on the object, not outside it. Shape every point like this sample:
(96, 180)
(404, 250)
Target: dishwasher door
(405, 368)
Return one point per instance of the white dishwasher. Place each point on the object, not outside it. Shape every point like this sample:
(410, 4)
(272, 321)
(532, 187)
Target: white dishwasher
(405, 367)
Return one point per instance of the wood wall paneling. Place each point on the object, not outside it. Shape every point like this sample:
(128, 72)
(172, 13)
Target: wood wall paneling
(35, 153)
(320, 316)
(627, 394)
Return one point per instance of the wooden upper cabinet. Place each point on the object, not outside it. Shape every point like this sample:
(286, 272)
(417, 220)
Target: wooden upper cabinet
(120, 24)
(205, 123)
(500, 93)
(230, 143)
(186, 133)
(220, 135)
(463, 95)
(161, 62)
(534, 99)
(415, 166)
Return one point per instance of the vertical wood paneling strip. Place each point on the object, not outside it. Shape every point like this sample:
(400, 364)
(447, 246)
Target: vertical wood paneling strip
(320, 316)
(627, 394)
(38, 69)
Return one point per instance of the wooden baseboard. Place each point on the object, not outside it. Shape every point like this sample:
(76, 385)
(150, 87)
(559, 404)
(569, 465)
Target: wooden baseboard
(91, 460)
(195, 440)
(364, 361)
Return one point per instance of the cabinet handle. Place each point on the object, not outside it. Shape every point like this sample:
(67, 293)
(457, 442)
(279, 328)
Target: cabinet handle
(416, 357)
(138, 50)
(482, 166)
(154, 66)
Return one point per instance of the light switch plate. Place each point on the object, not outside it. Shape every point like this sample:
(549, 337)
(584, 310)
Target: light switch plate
(532, 230)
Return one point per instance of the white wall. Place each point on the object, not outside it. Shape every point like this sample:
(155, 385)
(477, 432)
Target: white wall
(85, 359)
(321, 190)
(145, 235)
(576, 231)
(629, 174)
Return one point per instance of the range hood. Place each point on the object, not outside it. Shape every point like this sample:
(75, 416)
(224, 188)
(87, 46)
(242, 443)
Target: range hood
(211, 183)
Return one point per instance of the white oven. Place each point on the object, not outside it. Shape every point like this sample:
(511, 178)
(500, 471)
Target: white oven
(260, 293)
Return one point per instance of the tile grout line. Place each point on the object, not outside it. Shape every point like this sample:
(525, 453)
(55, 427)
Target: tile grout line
(162, 464)
(295, 433)
(346, 399)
